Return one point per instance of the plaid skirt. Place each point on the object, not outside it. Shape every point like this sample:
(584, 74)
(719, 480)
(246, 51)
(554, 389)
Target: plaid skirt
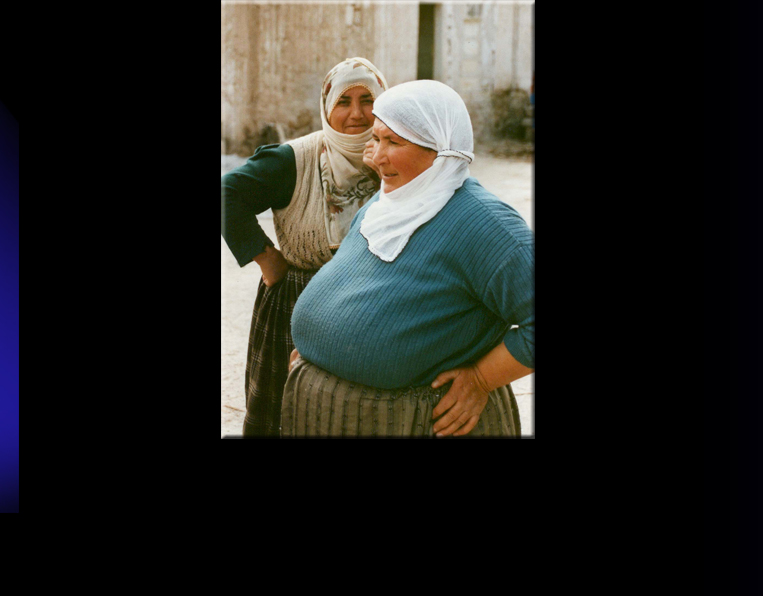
(270, 345)
(317, 403)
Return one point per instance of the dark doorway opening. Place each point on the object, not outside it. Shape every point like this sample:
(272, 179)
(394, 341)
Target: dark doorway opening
(425, 68)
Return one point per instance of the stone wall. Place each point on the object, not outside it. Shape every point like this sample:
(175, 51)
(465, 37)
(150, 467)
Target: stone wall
(482, 48)
(274, 58)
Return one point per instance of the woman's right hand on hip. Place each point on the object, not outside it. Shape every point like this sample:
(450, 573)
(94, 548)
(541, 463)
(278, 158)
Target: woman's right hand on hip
(292, 358)
(274, 266)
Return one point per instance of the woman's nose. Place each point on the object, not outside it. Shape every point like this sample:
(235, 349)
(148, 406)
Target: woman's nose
(356, 112)
(379, 155)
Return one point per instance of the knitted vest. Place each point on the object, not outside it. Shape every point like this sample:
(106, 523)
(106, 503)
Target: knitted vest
(300, 227)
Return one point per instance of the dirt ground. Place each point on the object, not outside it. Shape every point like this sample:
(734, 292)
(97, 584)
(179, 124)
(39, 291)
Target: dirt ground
(510, 180)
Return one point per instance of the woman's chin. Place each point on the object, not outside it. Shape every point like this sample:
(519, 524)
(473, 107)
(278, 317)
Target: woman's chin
(392, 183)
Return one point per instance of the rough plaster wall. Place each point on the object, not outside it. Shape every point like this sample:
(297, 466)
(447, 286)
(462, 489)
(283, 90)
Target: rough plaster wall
(463, 58)
(503, 45)
(476, 70)
(488, 37)
(476, 56)
(238, 80)
(396, 39)
(275, 57)
(445, 45)
(513, 45)
(524, 62)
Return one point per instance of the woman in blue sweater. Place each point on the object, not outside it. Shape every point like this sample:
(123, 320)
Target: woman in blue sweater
(425, 315)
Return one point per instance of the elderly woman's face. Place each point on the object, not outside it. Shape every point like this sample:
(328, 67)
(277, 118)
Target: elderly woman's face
(352, 113)
(399, 161)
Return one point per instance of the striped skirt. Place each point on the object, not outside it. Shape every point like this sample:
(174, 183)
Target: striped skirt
(270, 344)
(317, 403)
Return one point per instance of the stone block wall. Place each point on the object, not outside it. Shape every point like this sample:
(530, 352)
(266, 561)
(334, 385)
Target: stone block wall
(274, 58)
(481, 48)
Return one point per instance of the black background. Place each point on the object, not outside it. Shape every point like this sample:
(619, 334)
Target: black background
(648, 234)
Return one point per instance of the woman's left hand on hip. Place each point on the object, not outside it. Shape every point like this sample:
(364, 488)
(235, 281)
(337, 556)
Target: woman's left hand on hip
(462, 405)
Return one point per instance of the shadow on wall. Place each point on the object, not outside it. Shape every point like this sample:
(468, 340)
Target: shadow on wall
(513, 126)
(512, 122)
(513, 114)
(268, 133)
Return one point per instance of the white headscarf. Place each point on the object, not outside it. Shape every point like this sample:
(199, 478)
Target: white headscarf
(432, 115)
(346, 180)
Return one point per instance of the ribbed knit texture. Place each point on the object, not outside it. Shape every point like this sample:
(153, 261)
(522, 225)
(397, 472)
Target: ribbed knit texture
(452, 295)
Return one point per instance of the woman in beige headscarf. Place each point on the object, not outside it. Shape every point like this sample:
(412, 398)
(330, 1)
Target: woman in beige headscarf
(314, 184)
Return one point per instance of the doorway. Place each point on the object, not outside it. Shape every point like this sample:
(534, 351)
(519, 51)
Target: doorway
(425, 68)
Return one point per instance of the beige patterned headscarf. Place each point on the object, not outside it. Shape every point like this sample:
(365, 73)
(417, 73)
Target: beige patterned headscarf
(346, 180)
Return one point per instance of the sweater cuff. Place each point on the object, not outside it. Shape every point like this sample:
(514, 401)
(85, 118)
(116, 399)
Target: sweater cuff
(521, 345)
(252, 249)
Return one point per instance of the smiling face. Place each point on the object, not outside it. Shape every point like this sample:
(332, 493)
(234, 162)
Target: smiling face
(352, 113)
(399, 161)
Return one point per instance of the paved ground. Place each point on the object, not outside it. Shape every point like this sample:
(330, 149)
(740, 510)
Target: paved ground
(509, 180)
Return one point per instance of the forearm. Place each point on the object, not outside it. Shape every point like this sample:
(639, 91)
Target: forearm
(498, 368)
(265, 256)
(242, 233)
(247, 191)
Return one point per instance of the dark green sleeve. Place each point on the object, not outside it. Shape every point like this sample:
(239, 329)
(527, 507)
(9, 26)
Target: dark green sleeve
(265, 181)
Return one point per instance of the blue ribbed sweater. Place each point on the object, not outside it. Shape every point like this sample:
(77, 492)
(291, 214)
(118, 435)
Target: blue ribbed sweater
(454, 292)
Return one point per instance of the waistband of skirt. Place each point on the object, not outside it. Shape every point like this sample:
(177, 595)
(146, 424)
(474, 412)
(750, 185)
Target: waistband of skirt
(417, 392)
(297, 273)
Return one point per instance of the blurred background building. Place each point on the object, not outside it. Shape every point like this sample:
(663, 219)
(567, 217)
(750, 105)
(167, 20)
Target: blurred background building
(274, 57)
